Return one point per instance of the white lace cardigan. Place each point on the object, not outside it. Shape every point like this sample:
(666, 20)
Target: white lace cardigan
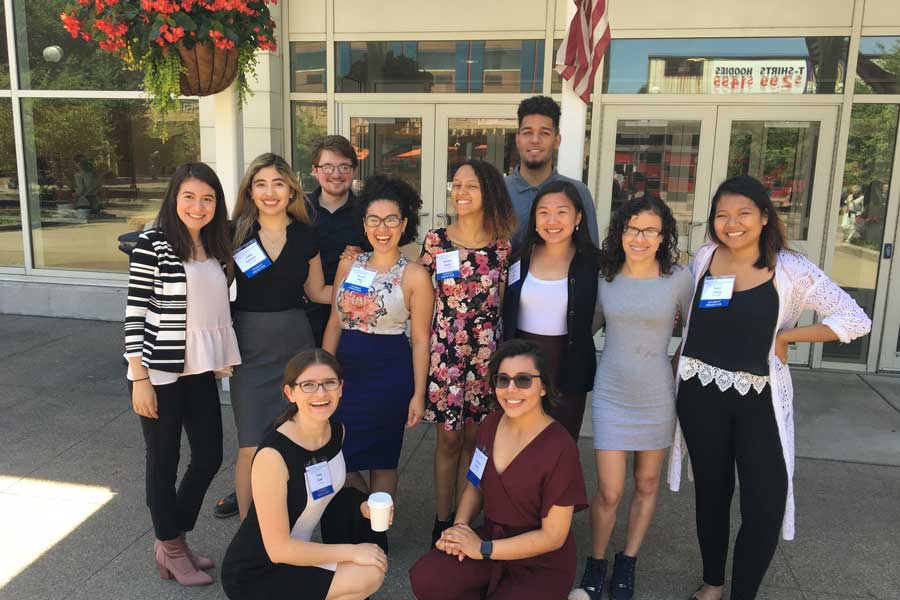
(801, 286)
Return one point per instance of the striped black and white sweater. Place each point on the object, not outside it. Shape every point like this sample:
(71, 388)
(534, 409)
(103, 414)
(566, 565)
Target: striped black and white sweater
(156, 311)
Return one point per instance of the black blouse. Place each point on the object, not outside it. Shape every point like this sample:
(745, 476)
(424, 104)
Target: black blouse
(279, 286)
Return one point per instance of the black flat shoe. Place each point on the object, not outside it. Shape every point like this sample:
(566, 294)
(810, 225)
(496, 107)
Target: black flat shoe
(439, 528)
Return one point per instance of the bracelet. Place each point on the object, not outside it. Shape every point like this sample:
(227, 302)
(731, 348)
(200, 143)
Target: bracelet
(144, 379)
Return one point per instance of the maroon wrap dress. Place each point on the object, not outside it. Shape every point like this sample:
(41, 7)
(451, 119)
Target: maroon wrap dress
(545, 473)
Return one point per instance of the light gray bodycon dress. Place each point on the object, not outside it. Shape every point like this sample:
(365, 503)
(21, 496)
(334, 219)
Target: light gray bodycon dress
(634, 390)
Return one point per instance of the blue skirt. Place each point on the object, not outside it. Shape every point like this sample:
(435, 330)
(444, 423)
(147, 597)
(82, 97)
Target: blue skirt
(378, 386)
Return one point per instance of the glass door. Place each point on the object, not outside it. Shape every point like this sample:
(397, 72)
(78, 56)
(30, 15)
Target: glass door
(789, 149)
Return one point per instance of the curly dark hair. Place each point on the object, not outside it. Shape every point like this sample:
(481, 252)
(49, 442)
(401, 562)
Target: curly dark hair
(520, 347)
(581, 237)
(612, 254)
(499, 216)
(387, 187)
(540, 105)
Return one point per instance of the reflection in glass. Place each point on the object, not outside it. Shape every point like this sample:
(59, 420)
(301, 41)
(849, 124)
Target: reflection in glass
(813, 65)
(308, 123)
(80, 66)
(4, 54)
(11, 249)
(555, 79)
(878, 67)
(308, 67)
(473, 66)
(94, 172)
(860, 227)
(782, 155)
(390, 145)
(658, 157)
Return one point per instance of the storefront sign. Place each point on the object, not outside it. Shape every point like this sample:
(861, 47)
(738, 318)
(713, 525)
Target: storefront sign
(757, 76)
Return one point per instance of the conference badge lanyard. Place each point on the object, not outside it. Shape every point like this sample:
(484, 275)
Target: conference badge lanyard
(251, 258)
(318, 479)
(717, 291)
(476, 467)
(359, 280)
(515, 272)
(447, 265)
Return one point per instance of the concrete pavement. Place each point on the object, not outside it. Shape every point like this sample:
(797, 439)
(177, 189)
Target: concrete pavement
(73, 522)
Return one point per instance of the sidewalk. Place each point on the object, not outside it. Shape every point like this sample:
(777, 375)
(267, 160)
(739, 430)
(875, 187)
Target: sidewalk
(74, 524)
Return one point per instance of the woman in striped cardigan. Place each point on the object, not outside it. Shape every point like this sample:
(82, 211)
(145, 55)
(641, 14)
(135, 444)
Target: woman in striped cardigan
(178, 336)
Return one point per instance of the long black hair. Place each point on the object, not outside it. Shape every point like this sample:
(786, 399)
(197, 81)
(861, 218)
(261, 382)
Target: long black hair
(214, 235)
(612, 253)
(773, 238)
(499, 215)
(520, 347)
(405, 196)
(295, 367)
(581, 237)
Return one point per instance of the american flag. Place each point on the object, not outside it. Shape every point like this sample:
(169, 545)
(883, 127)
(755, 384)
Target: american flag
(579, 55)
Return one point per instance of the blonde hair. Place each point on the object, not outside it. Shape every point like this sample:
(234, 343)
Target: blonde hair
(245, 212)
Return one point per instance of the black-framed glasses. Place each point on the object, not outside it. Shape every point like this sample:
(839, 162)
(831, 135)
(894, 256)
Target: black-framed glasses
(390, 221)
(329, 169)
(311, 387)
(649, 233)
(523, 381)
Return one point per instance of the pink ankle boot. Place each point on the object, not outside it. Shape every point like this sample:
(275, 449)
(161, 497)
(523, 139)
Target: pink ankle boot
(201, 562)
(172, 560)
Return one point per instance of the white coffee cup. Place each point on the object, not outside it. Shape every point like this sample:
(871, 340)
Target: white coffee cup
(380, 504)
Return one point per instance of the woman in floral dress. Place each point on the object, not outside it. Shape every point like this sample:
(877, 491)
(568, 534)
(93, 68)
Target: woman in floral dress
(468, 260)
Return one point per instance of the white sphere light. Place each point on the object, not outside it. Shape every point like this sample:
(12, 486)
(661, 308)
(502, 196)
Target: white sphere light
(53, 54)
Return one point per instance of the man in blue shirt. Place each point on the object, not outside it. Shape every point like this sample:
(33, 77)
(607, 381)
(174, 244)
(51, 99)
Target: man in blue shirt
(538, 137)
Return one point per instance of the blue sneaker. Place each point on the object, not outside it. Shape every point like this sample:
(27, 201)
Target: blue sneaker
(621, 584)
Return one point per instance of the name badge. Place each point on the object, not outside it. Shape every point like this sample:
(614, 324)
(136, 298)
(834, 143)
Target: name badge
(447, 265)
(515, 272)
(717, 291)
(359, 280)
(251, 258)
(318, 480)
(476, 468)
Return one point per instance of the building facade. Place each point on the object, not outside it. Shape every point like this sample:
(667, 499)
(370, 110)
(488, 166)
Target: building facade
(803, 95)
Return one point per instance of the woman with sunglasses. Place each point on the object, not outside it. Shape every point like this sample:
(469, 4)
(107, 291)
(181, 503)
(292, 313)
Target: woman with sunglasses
(376, 295)
(526, 476)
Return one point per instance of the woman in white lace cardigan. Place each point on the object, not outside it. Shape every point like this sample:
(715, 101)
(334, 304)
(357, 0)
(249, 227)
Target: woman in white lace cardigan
(735, 398)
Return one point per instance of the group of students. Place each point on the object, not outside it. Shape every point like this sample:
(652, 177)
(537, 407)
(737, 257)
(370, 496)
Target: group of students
(489, 336)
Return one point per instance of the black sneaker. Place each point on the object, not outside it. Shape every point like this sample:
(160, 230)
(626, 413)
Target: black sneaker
(226, 507)
(440, 527)
(621, 584)
(592, 582)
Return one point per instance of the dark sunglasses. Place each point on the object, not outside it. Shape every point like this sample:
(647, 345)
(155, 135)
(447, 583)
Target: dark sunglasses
(523, 381)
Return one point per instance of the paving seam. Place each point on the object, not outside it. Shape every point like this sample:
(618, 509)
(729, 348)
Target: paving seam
(411, 454)
(39, 346)
(880, 395)
(106, 564)
(849, 462)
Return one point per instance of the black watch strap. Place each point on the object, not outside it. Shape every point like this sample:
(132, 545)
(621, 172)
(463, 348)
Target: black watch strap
(487, 547)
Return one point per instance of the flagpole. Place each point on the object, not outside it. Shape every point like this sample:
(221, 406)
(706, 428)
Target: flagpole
(572, 123)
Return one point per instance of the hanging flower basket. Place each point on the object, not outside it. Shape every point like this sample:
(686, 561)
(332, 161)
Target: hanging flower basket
(207, 70)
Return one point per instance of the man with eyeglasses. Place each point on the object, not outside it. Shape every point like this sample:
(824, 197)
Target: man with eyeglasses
(334, 166)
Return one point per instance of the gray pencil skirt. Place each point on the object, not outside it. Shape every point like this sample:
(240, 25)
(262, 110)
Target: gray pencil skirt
(267, 340)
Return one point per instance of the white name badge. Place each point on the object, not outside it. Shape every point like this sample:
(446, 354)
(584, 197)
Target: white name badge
(476, 468)
(359, 280)
(515, 272)
(318, 480)
(251, 258)
(447, 265)
(717, 291)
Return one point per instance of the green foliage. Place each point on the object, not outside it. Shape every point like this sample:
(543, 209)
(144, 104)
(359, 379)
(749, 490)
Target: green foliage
(162, 82)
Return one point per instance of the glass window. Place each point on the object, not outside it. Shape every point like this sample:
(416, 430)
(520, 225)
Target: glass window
(555, 79)
(308, 67)
(11, 251)
(389, 145)
(812, 65)
(492, 66)
(4, 55)
(50, 59)
(95, 171)
(860, 226)
(309, 123)
(878, 67)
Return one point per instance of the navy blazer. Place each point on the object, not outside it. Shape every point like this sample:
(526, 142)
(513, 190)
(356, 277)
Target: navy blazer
(579, 360)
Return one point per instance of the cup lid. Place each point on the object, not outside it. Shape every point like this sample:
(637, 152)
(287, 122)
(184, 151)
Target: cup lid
(380, 500)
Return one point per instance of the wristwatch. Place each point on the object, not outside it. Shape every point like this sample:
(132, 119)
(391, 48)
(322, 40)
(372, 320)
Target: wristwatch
(487, 546)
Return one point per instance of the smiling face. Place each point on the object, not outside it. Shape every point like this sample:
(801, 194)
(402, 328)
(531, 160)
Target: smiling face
(642, 236)
(381, 235)
(517, 402)
(465, 191)
(738, 222)
(270, 192)
(320, 404)
(337, 183)
(556, 218)
(195, 204)
(536, 140)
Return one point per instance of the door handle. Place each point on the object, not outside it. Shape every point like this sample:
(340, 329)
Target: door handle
(445, 217)
(690, 235)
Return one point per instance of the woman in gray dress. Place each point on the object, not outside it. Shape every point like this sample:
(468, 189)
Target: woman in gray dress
(641, 292)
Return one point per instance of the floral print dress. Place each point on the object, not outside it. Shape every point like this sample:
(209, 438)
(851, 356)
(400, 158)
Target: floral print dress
(466, 330)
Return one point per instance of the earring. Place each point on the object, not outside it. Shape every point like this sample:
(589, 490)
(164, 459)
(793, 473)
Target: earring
(577, 226)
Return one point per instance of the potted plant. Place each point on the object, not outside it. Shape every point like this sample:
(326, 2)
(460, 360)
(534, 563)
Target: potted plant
(184, 47)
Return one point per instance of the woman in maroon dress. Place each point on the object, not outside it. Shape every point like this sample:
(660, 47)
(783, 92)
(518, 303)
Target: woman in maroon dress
(527, 477)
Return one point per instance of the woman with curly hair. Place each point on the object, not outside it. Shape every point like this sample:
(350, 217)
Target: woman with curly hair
(375, 296)
(641, 292)
(469, 261)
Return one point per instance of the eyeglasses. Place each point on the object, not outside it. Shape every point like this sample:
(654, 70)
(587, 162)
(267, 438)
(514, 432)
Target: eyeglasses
(329, 169)
(311, 387)
(390, 221)
(649, 234)
(523, 381)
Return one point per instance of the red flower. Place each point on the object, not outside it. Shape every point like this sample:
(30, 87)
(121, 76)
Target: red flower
(71, 23)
